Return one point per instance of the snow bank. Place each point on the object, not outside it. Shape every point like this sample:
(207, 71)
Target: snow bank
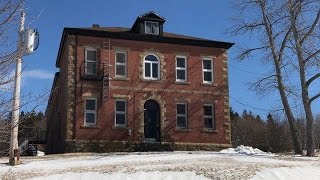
(40, 153)
(156, 175)
(283, 173)
(244, 150)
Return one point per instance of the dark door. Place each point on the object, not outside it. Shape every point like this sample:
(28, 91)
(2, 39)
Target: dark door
(151, 121)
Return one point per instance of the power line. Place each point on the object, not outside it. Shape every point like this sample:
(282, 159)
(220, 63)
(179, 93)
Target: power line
(260, 109)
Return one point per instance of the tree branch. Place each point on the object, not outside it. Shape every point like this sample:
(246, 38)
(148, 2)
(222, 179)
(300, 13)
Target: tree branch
(312, 79)
(314, 98)
(312, 55)
(314, 24)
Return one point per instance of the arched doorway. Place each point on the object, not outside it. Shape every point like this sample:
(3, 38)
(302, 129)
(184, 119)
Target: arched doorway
(151, 121)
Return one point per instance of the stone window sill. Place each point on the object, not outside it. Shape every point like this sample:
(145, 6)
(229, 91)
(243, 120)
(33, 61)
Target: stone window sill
(151, 81)
(121, 127)
(182, 83)
(209, 84)
(210, 131)
(121, 79)
(89, 127)
(182, 130)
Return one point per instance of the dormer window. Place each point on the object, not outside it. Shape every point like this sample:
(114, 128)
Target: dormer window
(151, 27)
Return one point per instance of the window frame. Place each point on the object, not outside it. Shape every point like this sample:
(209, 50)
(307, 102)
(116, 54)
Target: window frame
(207, 70)
(207, 116)
(90, 111)
(120, 64)
(120, 112)
(182, 115)
(90, 61)
(151, 68)
(152, 22)
(180, 68)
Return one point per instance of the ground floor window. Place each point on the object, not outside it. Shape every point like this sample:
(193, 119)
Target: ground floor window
(208, 116)
(181, 115)
(90, 113)
(121, 112)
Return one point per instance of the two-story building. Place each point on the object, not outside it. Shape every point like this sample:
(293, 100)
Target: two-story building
(128, 89)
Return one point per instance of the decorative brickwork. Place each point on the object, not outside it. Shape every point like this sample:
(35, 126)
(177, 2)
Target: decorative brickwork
(161, 59)
(71, 47)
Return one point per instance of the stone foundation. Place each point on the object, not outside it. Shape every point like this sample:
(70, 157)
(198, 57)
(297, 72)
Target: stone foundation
(100, 146)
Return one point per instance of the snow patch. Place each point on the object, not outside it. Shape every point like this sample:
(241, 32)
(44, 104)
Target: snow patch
(248, 150)
(156, 175)
(283, 173)
(40, 153)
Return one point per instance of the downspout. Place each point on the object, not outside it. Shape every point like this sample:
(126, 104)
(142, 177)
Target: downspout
(75, 89)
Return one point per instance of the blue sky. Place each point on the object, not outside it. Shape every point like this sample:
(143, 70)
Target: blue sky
(205, 18)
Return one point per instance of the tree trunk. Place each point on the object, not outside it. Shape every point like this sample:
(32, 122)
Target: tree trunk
(294, 11)
(277, 63)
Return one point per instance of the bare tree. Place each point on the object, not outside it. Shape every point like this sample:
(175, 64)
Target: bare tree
(265, 19)
(305, 45)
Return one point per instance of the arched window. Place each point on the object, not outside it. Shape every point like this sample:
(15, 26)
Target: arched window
(151, 67)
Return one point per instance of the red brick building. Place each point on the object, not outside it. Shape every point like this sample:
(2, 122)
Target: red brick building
(130, 89)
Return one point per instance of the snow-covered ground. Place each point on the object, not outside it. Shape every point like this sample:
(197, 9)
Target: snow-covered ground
(238, 163)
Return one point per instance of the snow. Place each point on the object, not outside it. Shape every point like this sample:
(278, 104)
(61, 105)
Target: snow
(283, 173)
(156, 175)
(238, 163)
(40, 153)
(245, 150)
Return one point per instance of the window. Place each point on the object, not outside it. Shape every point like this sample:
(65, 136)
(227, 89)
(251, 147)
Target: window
(151, 27)
(121, 63)
(181, 115)
(181, 69)
(121, 112)
(151, 67)
(90, 113)
(207, 70)
(208, 116)
(91, 61)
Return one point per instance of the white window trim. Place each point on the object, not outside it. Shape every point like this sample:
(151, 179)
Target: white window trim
(120, 112)
(207, 70)
(90, 111)
(145, 27)
(86, 59)
(182, 115)
(207, 116)
(180, 68)
(151, 69)
(121, 64)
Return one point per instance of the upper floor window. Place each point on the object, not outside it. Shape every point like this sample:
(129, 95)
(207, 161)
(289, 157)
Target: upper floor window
(182, 115)
(91, 61)
(121, 112)
(208, 116)
(181, 69)
(90, 112)
(151, 67)
(207, 68)
(121, 64)
(151, 27)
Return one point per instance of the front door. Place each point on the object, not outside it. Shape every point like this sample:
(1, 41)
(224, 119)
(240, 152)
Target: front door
(151, 121)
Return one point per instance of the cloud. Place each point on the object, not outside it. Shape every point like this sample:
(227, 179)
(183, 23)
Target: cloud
(38, 74)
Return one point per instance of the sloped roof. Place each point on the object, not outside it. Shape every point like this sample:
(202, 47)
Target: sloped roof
(125, 33)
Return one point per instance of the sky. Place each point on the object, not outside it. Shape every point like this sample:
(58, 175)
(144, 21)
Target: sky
(205, 19)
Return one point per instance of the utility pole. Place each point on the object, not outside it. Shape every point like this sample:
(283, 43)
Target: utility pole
(14, 154)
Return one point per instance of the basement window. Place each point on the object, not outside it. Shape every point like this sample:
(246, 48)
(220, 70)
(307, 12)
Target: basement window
(90, 113)
(151, 27)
